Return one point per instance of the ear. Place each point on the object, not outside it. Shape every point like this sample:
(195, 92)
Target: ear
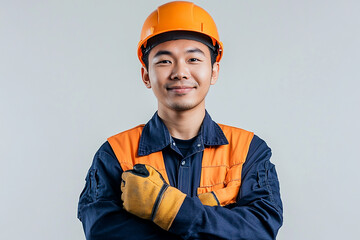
(145, 77)
(215, 73)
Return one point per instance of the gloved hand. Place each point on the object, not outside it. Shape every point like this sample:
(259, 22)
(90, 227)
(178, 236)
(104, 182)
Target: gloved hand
(146, 195)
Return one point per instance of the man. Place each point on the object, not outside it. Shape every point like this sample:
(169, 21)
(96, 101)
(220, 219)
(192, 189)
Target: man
(181, 176)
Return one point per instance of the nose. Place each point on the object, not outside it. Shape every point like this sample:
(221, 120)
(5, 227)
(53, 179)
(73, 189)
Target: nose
(180, 71)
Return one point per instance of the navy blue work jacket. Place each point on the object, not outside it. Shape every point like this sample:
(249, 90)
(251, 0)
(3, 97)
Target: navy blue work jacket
(257, 214)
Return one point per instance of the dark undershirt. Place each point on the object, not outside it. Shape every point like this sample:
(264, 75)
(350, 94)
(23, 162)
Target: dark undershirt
(184, 145)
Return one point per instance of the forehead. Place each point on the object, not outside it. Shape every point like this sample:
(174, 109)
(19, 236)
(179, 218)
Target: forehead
(180, 46)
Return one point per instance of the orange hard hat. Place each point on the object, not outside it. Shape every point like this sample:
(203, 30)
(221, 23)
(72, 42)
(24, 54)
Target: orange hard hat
(179, 16)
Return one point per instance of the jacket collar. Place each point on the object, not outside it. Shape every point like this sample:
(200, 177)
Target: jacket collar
(155, 136)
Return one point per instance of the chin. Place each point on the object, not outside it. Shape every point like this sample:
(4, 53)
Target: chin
(182, 107)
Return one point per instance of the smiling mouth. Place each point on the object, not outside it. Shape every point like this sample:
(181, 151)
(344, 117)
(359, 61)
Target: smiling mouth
(180, 89)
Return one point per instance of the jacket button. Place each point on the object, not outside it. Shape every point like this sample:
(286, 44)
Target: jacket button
(183, 163)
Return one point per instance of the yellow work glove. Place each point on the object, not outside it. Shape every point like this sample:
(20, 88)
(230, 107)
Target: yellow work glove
(209, 199)
(146, 195)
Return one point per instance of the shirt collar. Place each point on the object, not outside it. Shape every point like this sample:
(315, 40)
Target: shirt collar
(155, 136)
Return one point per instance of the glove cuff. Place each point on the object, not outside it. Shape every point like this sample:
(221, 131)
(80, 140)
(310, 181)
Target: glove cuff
(169, 207)
(209, 199)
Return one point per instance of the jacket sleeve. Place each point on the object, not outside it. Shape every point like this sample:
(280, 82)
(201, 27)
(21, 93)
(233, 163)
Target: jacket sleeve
(256, 215)
(100, 208)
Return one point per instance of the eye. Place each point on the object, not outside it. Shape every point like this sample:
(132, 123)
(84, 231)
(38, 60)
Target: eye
(164, 62)
(194, 60)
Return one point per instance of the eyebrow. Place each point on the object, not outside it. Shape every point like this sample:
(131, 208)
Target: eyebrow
(162, 52)
(165, 52)
(195, 50)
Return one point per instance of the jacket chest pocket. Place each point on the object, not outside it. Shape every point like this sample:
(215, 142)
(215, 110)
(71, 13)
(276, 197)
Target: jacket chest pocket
(212, 178)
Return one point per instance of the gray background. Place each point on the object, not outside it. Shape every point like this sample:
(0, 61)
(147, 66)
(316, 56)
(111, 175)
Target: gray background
(70, 78)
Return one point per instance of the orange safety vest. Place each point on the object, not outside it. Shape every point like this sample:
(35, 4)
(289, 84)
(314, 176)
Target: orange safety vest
(221, 165)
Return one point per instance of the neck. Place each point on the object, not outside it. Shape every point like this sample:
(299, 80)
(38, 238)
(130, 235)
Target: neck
(185, 124)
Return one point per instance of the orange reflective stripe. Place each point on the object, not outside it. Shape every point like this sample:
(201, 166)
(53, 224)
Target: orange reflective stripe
(222, 165)
(125, 146)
